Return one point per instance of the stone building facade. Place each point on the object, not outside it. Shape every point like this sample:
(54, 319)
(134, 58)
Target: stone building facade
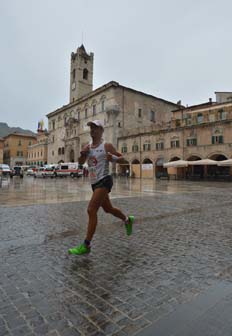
(193, 133)
(38, 152)
(16, 148)
(120, 108)
(1, 149)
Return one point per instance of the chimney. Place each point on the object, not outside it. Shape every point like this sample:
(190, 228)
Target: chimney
(210, 100)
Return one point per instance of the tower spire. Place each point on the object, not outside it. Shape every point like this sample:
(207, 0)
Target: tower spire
(81, 73)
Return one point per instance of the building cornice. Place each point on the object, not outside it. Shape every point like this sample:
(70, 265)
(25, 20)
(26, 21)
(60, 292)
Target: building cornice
(19, 135)
(175, 129)
(203, 107)
(102, 89)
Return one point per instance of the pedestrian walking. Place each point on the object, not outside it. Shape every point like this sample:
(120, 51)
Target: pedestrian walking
(98, 154)
(127, 173)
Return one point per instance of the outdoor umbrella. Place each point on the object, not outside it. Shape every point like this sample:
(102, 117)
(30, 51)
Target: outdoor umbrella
(176, 164)
(203, 162)
(225, 162)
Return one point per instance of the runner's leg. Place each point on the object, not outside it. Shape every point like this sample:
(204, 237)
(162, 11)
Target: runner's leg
(96, 201)
(108, 207)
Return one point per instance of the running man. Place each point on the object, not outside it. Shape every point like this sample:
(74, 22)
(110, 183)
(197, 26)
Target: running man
(98, 155)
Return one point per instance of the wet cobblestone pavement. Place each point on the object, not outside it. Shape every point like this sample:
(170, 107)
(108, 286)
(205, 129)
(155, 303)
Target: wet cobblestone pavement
(181, 247)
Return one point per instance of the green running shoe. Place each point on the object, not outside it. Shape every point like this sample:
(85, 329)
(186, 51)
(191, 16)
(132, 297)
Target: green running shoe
(81, 249)
(129, 225)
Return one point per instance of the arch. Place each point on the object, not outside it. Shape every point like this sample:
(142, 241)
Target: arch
(218, 156)
(194, 157)
(135, 161)
(61, 161)
(147, 161)
(174, 158)
(85, 74)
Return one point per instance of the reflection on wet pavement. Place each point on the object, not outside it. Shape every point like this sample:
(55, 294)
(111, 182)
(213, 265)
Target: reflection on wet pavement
(28, 191)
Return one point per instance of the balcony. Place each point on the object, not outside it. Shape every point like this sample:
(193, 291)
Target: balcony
(71, 121)
(114, 109)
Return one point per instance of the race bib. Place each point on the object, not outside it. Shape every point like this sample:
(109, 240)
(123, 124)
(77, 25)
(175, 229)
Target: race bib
(92, 163)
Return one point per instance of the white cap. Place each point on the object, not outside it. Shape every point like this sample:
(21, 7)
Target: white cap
(98, 123)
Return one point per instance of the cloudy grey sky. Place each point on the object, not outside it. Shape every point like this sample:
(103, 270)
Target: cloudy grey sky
(173, 49)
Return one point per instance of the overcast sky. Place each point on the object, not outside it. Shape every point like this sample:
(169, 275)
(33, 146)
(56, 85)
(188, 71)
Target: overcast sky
(172, 49)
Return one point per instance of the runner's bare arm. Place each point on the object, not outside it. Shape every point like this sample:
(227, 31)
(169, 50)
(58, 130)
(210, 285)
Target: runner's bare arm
(83, 154)
(113, 155)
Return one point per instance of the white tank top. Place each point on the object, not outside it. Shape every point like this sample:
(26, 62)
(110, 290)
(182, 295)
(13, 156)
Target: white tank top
(98, 163)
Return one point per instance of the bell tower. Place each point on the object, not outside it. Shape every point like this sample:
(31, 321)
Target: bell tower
(81, 73)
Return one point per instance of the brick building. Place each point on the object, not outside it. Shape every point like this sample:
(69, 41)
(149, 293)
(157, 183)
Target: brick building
(38, 152)
(16, 148)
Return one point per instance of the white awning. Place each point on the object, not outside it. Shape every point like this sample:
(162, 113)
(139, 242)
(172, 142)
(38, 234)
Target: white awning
(225, 163)
(203, 162)
(176, 164)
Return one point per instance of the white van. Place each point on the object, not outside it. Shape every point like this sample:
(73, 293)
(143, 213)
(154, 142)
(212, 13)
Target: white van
(44, 172)
(68, 169)
(5, 170)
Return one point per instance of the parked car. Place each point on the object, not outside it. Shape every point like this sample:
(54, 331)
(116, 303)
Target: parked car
(34, 168)
(30, 172)
(5, 170)
(44, 172)
(68, 169)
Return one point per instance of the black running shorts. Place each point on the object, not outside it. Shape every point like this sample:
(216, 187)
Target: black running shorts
(106, 182)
